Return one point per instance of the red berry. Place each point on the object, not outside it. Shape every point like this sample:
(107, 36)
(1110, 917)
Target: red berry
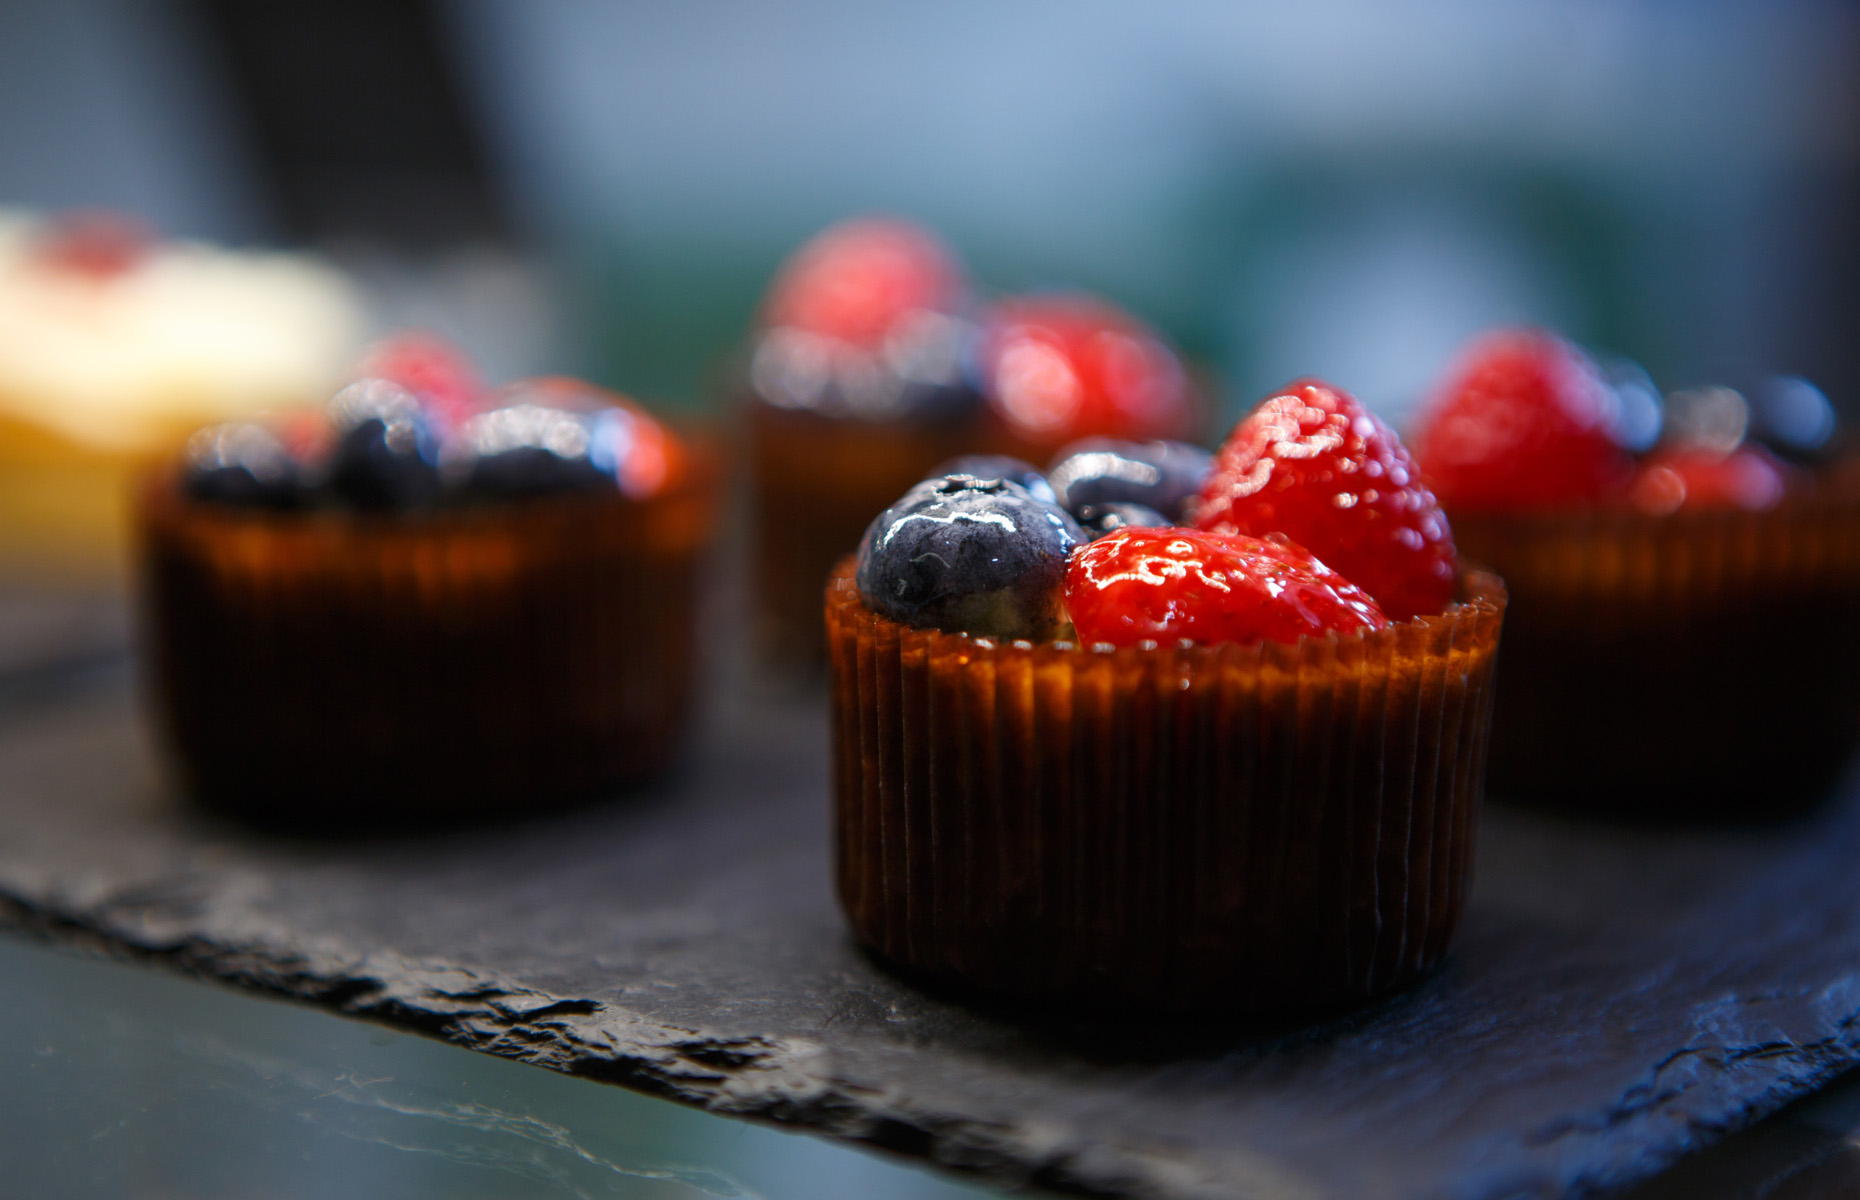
(857, 280)
(98, 245)
(1522, 422)
(433, 369)
(1059, 368)
(1748, 477)
(1163, 584)
(1313, 464)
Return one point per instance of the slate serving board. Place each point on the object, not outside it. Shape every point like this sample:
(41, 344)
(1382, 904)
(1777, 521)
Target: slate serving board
(1616, 999)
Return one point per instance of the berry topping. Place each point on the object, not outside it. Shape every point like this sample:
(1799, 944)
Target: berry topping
(1524, 421)
(386, 452)
(242, 463)
(1313, 464)
(532, 447)
(1099, 519)
(1139, 585)
(1058, 368)
(95, 245)
(857, 280)
(999, 466)
(435, 371)
(1163, 476)
(1749, 477)
(982, 556)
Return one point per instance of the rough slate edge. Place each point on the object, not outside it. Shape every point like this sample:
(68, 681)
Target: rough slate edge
(1753, 1041)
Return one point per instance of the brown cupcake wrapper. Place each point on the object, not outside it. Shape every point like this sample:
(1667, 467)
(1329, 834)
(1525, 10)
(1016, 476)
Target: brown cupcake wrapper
(340, 668)
(1696, 665)
(818, 482)
(1245, 829)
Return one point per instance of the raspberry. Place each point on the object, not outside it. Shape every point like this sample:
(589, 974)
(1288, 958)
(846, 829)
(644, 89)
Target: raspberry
(1313, 464)
(438, 373)
(1059, 368)
(1162, 584)
(1748, 477)
(97, 245)
(859, 279)
(1523, 422)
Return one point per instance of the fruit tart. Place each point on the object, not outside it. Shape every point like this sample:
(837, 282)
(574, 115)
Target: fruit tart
(1647, 675)
(1166, 758)
(425, 602)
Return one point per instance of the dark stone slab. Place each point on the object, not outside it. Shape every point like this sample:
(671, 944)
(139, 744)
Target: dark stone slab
(1617, 998)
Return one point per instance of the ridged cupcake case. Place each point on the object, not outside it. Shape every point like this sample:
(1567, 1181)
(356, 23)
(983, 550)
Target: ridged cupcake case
(1692, 666)
(337, 668)
(1266, 829)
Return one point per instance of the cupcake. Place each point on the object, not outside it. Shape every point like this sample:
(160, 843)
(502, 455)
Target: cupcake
(858, 384)
(867, 369)
(1164, 767)
(114, 345)
(425, 603)
(1646, 675)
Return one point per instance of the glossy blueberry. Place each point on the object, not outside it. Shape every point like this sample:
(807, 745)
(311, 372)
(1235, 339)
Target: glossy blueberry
(529, 450)
(921, 370)
(982, 556)
(1164, 476)
(242, 464)
(387, 451)
(999, 466)
(1099, 519)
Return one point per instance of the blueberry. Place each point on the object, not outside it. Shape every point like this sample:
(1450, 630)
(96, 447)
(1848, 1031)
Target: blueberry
(387, 450)
(999, 466)
(242, 464)
(529, 450)
(1164, 476)
(1099, 519)
(921, 370)
(982, 556)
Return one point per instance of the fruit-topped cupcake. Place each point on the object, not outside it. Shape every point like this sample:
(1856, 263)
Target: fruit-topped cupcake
(858, 383)
(1179, 760)
(1681, 641)
(425, 601)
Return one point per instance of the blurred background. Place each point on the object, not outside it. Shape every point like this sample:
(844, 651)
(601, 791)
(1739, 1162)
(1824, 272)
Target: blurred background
(1339, 188)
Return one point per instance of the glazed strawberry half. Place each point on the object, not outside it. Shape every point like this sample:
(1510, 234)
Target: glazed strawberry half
(1523, 422)
(857, 280)
(1162, 585)
(1314, 465)
(1058, 368)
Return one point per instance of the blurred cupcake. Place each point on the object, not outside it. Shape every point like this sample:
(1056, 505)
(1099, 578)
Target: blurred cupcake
(1164, 768)
(1681, 642)
(425, 603)
(858, 384)
(114, 345)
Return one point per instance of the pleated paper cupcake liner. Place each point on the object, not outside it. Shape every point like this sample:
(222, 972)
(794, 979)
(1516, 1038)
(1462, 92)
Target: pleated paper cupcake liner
(1263, 829)
(818, 483)
(1691, 666)
(339, 669)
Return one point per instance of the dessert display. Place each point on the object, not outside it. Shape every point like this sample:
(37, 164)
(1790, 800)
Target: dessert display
(114, 345)
(425, 601)
(1175, 763)
(1681, 642)
(869, 367)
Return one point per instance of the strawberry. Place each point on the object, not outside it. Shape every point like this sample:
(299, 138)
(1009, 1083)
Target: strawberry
(1313, 464)
(857, 280)
(1748, 477)
(97, 245)
(1063, 367)
(1522, 422)
(438, 374)
(1163, 584)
